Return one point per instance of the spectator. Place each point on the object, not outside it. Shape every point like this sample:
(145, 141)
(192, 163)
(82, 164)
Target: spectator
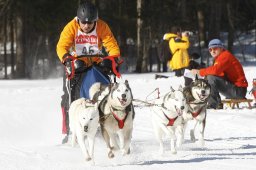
(164, 54)
(153, 57)
(178, 44)
(193, 64)
(226, 75)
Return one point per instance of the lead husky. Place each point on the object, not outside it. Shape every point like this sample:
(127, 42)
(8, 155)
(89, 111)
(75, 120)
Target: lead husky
(116, 115)
(83, 122)
(197, 96)
(167, 118)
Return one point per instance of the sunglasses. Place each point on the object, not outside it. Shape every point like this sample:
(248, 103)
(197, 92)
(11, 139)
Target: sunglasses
(87, 22)
(213, 49)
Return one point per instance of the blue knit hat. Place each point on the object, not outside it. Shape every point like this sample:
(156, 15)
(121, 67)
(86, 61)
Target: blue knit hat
(215, 43)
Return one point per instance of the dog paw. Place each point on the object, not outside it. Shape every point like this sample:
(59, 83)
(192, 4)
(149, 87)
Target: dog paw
(92, 163)
(111, 155)
(88, 158)
(129, 151)
(123, 152)
(192, 136)
(113, 148)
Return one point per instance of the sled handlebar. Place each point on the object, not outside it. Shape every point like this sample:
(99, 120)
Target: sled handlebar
(91, 56)
(111, 58)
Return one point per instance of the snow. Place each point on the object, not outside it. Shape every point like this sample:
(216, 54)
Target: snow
(30, 131)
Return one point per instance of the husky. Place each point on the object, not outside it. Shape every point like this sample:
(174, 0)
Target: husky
(197, 95)
(167, 118)
(84, 122)
(116, 115)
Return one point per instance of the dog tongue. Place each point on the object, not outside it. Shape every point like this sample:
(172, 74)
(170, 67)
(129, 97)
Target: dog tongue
(122, 101)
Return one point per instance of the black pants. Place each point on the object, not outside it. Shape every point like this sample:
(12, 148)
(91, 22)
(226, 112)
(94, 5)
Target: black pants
(179, 72)
(187, 81)
(226, 88)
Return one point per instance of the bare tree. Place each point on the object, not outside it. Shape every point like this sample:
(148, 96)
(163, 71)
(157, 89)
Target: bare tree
(20, 49)
(139, 46)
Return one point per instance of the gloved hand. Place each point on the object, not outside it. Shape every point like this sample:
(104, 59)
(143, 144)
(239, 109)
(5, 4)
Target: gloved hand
(119, 61)
(67, 61)
(106, 66)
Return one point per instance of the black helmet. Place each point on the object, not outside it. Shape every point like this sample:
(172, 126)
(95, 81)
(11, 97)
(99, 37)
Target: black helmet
(87, 12)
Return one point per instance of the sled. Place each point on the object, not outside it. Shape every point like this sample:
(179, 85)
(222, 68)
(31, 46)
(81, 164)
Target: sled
(232, 103)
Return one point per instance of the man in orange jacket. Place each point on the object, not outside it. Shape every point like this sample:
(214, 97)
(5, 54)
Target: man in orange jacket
(226, 75)
(85, 35)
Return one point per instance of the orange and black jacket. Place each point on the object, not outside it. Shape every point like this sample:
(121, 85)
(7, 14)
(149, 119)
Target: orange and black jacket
(226, 65)
(66, 43)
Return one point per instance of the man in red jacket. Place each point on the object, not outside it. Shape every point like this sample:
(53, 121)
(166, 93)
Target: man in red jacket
(226, 75)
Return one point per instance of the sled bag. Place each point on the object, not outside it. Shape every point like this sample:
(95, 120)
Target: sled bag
(92, 76)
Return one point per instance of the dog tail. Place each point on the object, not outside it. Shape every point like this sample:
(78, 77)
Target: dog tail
(94, 90)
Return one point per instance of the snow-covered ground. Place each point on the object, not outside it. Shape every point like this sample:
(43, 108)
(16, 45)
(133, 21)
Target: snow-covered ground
(30, 132)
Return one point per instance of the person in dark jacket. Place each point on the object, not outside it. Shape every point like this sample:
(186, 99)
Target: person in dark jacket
(193, 64)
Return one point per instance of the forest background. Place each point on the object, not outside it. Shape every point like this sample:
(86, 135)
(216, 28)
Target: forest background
(29, 30)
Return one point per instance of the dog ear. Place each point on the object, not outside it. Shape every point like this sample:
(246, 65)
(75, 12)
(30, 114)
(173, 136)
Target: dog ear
(126, 82)
(187, 93)
(196, 77)
(180, 88)
(96, 105)
(172, 89)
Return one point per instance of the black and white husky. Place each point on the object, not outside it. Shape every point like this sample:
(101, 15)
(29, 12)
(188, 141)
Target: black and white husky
(167, 118)
(116, 115)
(197, 95)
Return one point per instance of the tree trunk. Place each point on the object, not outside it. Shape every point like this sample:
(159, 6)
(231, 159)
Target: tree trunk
(12, 43)
(20, 50)
(5, 47)
(201, 35)
(139, 46)
(231, 27)
(201, 28)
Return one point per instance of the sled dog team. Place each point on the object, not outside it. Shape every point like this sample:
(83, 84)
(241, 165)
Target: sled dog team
(111, 107)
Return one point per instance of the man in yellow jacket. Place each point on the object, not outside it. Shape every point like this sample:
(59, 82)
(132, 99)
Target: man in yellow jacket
(178, 44)
(85, 35)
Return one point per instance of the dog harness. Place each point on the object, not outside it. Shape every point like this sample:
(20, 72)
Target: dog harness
(120, 121)
(195, 114)
(171, 121)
